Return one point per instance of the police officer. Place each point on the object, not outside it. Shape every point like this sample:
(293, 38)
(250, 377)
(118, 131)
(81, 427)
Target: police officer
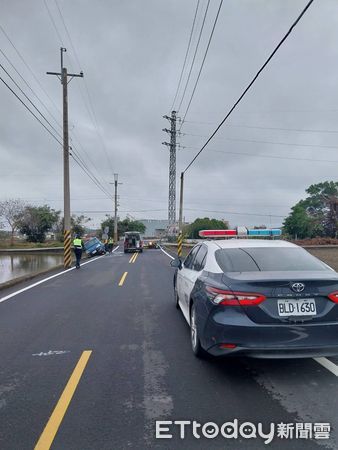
(77, 242)
(110, 244)
(106, 245)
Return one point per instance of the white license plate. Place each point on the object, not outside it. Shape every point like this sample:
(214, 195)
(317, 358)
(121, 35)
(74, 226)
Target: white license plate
(301, 307)
(94, 252)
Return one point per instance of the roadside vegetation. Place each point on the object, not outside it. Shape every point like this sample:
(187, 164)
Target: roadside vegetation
(312, 221)
(317, 215)
(22, 244)
(39, 226)
(191, 231)
(122, 226)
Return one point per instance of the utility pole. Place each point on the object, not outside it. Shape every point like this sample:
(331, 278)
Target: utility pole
(180, 219)
(172, 167)
(63, 77)
(116, 177)
(116, 183)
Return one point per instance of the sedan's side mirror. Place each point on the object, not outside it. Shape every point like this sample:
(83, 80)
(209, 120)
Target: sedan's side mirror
(176, 263)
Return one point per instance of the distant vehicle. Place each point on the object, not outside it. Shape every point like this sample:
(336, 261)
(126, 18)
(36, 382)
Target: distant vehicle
(94, 247)
(132, 242)
(259, 298)
(150, 243)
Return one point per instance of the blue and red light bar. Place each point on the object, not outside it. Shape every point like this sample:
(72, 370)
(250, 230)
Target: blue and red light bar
(217, 233)
(240, 231)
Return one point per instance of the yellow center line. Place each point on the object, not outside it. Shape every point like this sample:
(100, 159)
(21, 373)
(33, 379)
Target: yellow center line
(136, 255)
(132, 257)
(123, 278)
(54, 422)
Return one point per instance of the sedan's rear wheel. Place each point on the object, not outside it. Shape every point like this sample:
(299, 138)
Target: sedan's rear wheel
(194, 335)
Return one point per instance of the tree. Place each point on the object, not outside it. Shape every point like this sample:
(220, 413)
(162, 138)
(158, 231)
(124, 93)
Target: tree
(122, 226)
(300, 224)
(130, 225)
(108, 222)
(322, 203)
(205, 224)
(11, 211)
(317, 214)
(36, 221)
(78, 224)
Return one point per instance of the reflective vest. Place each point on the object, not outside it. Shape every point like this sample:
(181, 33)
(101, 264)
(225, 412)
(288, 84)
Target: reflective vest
(77, 242)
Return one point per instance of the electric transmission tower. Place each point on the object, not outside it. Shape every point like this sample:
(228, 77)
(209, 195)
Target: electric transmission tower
(172, 167)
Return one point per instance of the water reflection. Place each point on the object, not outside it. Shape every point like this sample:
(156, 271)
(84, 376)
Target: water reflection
(13, 265)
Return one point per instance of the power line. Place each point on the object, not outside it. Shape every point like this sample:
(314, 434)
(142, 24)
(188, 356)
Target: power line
(95, 122)
(30, 101)
(194, 57)
(34, 106)
(235, 213)
(68, 34)
(97, 128)
(33, 75)
(188, 209)
(54, 24)
(91, 115)
(77, 157)
(302, 130)
(186, 55)
(27, 107)
(30, 88)
(255, 141)
(272, 111)
(74, 154)
(36, 199)
(74, 135)
(203, 61)
(251, 83)
(126, 211)
(270, 156)
(80, 162)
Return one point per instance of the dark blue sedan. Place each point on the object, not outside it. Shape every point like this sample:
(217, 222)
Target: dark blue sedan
(266, 299)
(94, 247)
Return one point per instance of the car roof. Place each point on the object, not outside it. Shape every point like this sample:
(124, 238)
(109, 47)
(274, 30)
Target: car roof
(247, 243)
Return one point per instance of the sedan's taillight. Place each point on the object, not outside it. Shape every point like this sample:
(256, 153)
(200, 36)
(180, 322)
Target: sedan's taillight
(230, 298)
(334, 297)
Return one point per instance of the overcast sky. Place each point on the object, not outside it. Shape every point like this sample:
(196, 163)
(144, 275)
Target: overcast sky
(131, 53)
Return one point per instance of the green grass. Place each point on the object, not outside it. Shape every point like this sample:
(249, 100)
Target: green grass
(6, 243)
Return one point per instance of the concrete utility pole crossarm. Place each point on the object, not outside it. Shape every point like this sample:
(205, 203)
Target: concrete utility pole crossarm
(63, 76)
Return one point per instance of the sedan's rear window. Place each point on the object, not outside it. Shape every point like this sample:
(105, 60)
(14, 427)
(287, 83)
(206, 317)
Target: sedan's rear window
(267, 259)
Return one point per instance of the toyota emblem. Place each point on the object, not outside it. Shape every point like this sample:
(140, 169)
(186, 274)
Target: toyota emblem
(298, 287)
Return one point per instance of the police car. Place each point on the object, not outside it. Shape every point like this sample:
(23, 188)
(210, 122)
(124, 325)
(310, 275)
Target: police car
(260, 298)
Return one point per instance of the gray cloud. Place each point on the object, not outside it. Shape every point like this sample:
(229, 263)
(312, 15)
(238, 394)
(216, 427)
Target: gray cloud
(131, 53)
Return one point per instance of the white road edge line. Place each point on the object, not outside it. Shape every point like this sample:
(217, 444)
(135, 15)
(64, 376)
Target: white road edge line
(166, 253)
(7, 297)
(329, 365)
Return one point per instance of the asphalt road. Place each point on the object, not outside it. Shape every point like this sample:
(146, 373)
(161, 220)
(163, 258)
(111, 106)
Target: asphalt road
(123, 352)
